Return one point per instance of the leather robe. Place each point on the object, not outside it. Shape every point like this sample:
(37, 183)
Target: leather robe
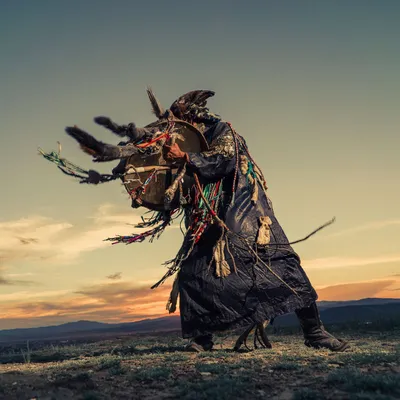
(251, 293)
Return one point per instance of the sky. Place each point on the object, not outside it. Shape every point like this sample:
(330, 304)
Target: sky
(312, 86)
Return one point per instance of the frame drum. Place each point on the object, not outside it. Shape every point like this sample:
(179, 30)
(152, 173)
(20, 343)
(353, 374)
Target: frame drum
(158, 172)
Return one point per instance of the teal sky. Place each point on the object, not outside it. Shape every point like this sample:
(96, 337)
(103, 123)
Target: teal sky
(313, 86)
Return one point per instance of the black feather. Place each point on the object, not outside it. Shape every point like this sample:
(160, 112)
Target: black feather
(157, 109)
(85, 139)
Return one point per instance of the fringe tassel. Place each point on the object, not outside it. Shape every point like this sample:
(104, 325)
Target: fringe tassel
(70, 169)
(248, 170)
(260, 177)
(263, 236)
(244, 167)
(159, 220)
(254, 196)
(259, 335)
(173, 297)
(222, 268)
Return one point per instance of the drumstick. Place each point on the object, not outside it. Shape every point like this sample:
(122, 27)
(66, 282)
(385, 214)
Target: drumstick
(132, 169)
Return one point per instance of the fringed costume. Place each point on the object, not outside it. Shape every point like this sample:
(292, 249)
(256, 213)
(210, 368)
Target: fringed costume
(236, 267)
(246, 275)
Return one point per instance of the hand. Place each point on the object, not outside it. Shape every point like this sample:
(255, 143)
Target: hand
(174, 153)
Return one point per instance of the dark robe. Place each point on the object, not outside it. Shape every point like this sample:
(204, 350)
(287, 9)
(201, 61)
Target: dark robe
(251, 293)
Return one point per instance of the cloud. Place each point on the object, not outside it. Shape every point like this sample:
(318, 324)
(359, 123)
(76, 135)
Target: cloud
(114, 292)
(25, 296)
(19, 282)
(341, 262)
(112, 302)
(38, 238)
(20, 275)
(357, 290)
(115, 276)
(366, 227)
(106, 215)
(28, 238)
(14, 279)
(126, 301)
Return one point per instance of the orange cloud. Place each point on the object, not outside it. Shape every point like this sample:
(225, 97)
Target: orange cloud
(109, 302)
(360, 290)
(123, 301)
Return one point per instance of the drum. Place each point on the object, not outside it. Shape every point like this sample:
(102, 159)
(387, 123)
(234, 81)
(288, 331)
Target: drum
(148, 176)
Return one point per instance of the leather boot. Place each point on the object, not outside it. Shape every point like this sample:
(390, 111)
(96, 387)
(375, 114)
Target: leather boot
(200, 343)
(314, 332)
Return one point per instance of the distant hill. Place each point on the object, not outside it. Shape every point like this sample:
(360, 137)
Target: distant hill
(348, 313)
(366, 302)
(331, 313)
(85, 328)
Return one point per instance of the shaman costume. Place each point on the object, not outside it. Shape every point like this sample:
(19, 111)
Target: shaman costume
(243, 271)
(236, 267)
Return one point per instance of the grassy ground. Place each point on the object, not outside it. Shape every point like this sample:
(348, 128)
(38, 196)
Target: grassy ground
(156, 367)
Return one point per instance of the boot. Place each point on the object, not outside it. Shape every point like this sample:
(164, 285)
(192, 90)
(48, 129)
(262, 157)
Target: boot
(314, 332)
(200, 343)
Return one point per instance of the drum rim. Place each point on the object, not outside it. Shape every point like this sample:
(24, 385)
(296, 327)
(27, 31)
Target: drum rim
(200, 135)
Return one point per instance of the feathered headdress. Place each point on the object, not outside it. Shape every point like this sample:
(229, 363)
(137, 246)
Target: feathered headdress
(191, 107)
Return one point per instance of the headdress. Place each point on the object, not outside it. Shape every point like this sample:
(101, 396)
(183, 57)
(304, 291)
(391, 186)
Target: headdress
(190, 107)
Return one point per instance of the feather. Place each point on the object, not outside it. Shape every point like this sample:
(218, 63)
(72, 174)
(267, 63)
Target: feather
(158, 110)
(87, 150)
(98, 150)
(130, 130)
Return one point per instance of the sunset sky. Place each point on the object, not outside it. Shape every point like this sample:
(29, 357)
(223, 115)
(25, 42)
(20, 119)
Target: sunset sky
(313, 86)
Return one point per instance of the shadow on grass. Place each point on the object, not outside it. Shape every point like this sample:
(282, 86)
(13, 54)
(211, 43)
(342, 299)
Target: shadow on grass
(355, 381)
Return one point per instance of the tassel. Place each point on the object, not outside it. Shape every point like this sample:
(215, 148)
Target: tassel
(263, 185)
(260, 177)
(263, 237)
(244, 167)
(222, 266)
(254, 182)
(173, 297)
(251, 176)
(217, 259)
(254, 196)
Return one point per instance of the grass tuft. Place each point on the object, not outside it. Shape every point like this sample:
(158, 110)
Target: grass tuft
(108, 362)
(221, 388)
(150, 374)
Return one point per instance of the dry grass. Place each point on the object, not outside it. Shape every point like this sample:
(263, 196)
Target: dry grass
(155, 367)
